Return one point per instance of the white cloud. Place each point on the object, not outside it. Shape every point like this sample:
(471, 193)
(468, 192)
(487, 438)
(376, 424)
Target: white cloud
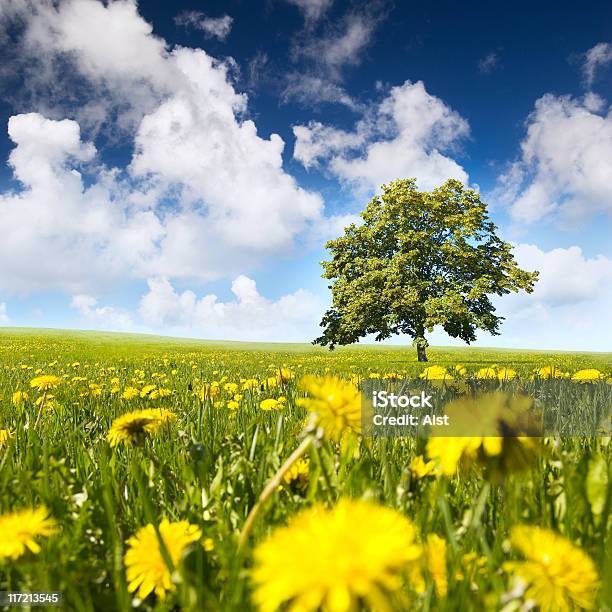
(204, 196)
(213, 27)
(569, 307)
(4, 318)
(565, 164)
(595, 58)
(312, 9)
(403, 137)
(312, 90)
(106, 317)
(341, 46)
(488, 63)
(249, 316)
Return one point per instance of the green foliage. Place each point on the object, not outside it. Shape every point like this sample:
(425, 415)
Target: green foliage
(419, 260)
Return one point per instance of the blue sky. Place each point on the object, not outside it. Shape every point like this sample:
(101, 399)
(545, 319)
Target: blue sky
(177, 167)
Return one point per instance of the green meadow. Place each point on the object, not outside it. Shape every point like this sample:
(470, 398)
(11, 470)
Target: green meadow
(209, 461)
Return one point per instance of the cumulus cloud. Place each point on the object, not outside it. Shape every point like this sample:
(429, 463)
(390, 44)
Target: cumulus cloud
(204, 196)
(595, 58)
(402, 137)
(106, 317)
(488, 63)
(568, 307)
(249, 316)
(213, 27)
(312, 9)
(325, 56)
(565, 163)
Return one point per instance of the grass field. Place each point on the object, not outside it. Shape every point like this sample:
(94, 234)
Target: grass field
(213, 422)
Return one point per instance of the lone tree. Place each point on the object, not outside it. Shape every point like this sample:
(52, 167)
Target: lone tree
(420, 259)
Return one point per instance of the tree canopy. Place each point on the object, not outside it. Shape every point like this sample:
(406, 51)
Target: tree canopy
(419, 260)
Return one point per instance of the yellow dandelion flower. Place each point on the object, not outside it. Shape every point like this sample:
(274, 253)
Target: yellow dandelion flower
(460, 369)
(270, 404)
(5, 434)
(230, 388)
(45, 383)
(146, 569)
(335, 403)
(19, 397)
(284, 375)
(130, 393)
(588, 375)
(491, 429)
(435, 373)
(420, 468)
(297, 476)
(19, 530)
(134, 426)
(559, 575)
(548, 372)
(250, 383)
(333, 559)
(435, 556)
(486, 373)
(506, 374)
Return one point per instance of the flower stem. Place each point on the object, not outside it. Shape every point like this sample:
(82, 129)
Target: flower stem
(270, 488)
(40, 409)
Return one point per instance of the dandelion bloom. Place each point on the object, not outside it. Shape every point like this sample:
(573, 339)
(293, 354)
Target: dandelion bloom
(297, 475)
(435, 373)
(134, 426)
(486, 373)
(435, 556)
(588, 375)
(506, 374)
(492, 429)
(45, 383)
(420, 468)
(335, 402)
(5, 434)
(334, 559)
(270, 404)
(559, 575)
(19, 397)
(548, 372)
(19, 530)
(146, 568)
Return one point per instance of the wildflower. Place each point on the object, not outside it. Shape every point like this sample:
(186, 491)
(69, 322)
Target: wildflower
(506, 374)
(19, 530)
(548, 372)
(559, 575)
(435, 373)
(501, 423)
(420, 469)
(335, 403)
(284, 375)
(134, 426)
(250, 383)
(5, 434)
(45, 383)
(130, 393)
(20, 397)
(146, 390)
(146, 569)
(297, 476)
(588, 375)
(486, 373)
(270, 404)
(435, 556)
(334, 559)
(233, 405)
(460, 369)
(230, 388)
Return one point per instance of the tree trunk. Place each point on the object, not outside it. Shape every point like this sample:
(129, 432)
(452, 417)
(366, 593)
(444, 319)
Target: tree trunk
(421, 353)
